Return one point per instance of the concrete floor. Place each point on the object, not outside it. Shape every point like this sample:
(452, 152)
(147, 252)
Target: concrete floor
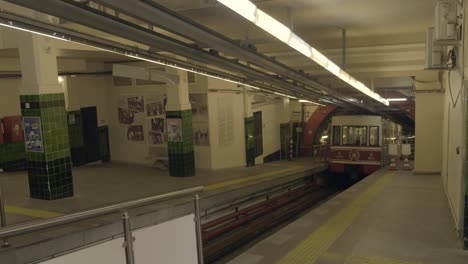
(103, 184)
(389, 217)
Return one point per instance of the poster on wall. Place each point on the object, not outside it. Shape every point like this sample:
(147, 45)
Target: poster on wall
(157, 125)
(135, 133)
(199, 103)
(225, 121)
(136, 103)
(174, 130)
(33, 134)
(155, 138)
(200, 134)
(156, 105)
(126, 117)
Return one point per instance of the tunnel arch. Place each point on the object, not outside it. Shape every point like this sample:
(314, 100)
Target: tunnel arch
(315, 124)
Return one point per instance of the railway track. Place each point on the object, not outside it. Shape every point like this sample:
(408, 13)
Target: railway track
(227, 233)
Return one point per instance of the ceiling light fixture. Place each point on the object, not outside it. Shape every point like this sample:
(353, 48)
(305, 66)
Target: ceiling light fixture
(397, 99)
(310, 102)
(245, 8)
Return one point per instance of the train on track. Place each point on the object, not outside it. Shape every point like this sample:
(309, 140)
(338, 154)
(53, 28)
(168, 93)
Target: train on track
(359, 143)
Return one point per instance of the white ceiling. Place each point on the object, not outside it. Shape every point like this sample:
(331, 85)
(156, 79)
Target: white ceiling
(402, 20)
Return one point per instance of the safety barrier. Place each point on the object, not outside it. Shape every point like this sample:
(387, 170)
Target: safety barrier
(128, 238)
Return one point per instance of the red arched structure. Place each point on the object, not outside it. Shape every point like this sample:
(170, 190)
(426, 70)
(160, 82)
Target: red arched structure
(313, 124)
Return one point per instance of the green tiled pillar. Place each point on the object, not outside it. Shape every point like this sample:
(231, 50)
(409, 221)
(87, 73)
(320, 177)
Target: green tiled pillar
(48, 164)
(180, 150)
(249, 141)
(285, 136)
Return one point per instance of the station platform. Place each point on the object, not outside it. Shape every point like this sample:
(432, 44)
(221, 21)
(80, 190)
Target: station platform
(390, 217)
(104, 184)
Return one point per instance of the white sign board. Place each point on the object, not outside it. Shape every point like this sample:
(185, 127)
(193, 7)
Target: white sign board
(393, 149)
(110, 252)
(169, 242)
(405, 149)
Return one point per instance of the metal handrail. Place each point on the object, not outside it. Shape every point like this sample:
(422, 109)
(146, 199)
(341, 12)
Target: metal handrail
(21, 229)
(38, 225)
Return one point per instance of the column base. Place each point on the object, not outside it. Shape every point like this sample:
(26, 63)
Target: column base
(50, 180)
(182, 165)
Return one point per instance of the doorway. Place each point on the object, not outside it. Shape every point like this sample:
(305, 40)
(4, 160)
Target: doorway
(258, 131)
(90, 134)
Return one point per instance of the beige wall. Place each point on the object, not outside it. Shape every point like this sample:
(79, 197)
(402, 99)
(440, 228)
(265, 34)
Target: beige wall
(9, 97)
(88, 91)
(429, 121)
(226, 112)
(453, 146)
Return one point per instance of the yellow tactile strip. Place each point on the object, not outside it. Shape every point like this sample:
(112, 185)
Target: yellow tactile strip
(316, 245)
(30, 212)
(252, 178)
(341, 258)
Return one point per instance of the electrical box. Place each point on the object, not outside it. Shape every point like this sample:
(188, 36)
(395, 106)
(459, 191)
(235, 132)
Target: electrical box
(445, 20)
(434, 53)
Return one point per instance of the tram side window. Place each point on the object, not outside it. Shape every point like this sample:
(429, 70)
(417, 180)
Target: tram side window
(355, 135)
(374, 136)
(336, 135)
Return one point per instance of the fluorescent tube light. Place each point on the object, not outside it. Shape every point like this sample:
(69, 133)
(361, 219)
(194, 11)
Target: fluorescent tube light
(397, 99)
(333, 68)
(300, 45)
(344, 76)
(272, 26)
(244, 8)
(319, 58)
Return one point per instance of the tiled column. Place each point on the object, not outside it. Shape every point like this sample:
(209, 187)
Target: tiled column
(285, 127)
(45, 120)
(249, 130)
(179, 120)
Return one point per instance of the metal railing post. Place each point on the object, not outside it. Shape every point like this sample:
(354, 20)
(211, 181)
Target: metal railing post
(198, 229)
(3, 216)
(128, 238)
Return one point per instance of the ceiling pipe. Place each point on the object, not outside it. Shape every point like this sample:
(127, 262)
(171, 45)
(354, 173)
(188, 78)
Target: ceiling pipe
(87, 16)
(343, 45)
(162, 17)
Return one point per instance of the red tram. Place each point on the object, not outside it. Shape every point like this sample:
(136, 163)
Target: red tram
(359, 143)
